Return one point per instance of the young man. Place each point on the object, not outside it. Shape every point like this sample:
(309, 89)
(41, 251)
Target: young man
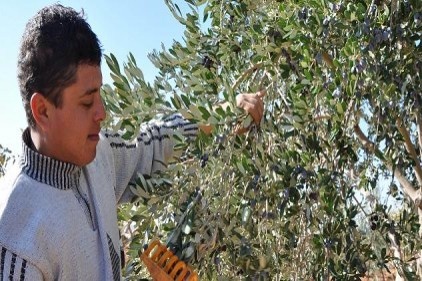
(58, 204)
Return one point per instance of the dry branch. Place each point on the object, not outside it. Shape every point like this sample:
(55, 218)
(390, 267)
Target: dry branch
(408, 189)
(419, 124)
(410, 149)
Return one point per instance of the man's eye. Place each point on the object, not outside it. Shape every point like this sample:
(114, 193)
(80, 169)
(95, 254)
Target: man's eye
(88, 105)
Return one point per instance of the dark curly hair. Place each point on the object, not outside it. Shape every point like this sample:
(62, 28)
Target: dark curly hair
(56, 40)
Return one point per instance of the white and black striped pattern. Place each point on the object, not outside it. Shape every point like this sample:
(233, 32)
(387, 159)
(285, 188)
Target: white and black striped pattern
(11, 266)
(152, 132)
(115, 259)
(189, 129)
(47, 170)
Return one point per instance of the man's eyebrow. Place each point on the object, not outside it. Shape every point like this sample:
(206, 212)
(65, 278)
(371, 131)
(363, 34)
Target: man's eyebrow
(90, 92)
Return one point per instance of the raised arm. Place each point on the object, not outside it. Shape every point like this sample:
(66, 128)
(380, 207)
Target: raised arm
(148, 153)
(153, 148)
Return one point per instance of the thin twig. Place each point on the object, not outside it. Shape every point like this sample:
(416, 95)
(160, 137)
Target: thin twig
(245, 74)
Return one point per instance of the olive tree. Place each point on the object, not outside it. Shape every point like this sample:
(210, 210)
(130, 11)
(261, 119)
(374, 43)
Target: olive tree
(293, 198)
(6, 157)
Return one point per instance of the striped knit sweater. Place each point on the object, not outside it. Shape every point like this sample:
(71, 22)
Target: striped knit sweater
(58, 221)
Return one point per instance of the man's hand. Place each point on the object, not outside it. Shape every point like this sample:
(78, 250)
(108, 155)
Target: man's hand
(250, 102)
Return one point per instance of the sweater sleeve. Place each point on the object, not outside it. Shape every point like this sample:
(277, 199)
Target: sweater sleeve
(148, 153)
(13, 267)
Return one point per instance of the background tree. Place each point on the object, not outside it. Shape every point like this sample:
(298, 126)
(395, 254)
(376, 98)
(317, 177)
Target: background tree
(293, 198)
(5, 158)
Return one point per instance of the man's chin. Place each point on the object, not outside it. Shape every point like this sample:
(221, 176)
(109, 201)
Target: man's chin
(87, 160)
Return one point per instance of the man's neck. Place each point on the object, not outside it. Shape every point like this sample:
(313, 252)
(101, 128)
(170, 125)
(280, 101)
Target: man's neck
(35, 140)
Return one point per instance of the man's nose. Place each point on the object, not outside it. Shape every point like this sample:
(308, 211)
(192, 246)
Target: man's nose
(100, 113)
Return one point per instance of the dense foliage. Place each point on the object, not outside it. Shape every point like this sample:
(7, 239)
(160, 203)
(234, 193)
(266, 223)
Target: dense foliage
(294, 198)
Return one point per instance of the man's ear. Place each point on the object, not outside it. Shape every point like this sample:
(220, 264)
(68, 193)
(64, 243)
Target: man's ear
(40, 110)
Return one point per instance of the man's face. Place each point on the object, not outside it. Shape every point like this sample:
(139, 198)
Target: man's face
(72, 133)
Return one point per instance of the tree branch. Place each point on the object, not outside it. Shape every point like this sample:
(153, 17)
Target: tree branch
(246, 73)
(410, 149)
(408, 189)
(321, 117)
(419, 125)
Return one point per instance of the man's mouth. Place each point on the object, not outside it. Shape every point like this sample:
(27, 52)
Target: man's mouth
(94, 137)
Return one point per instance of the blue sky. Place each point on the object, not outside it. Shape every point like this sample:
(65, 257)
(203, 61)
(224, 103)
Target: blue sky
(136, 26)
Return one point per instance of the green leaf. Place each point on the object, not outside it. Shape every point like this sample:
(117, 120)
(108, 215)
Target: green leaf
(186, 100)
(339, 108)
(205, 113)
(240, 167)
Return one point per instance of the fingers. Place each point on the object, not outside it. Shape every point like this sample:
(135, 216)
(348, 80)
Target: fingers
(256, 109)
(252, 104)
(261, 93)
(260, 112)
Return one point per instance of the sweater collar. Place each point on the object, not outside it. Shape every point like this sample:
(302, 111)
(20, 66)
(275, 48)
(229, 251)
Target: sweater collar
(61, 175)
